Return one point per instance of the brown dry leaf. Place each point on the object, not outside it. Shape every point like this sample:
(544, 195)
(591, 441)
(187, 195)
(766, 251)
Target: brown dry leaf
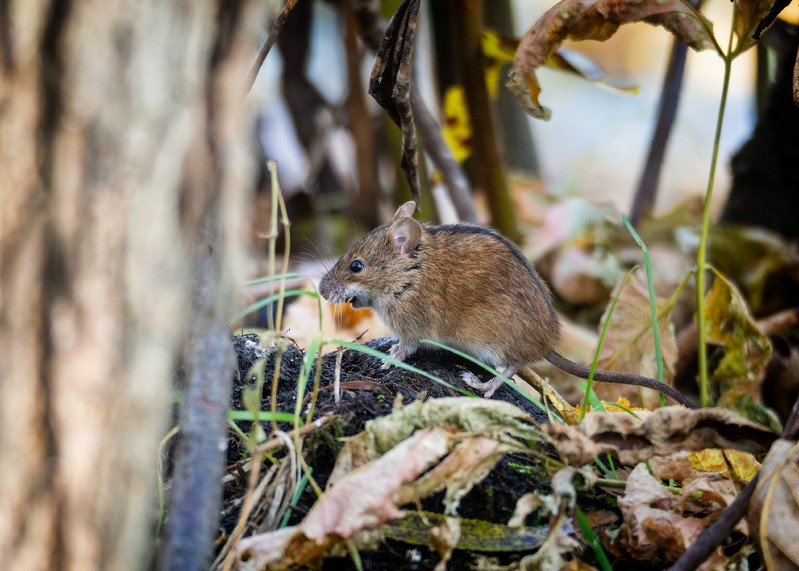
(362, 501)
(629, 344)
(395, 461)
(467, 417)
(500, 50)
(466, 465)
(596, 20)
(654, 530)
(746, 351)
(390, 84)
(662, 432)
(748, 20)
(774, 509)
(677, 466)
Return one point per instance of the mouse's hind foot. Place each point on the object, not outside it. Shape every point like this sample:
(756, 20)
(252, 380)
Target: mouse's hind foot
(488, 388)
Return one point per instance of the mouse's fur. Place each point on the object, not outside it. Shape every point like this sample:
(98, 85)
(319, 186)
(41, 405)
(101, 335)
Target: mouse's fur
(464, 285)
(459, 284)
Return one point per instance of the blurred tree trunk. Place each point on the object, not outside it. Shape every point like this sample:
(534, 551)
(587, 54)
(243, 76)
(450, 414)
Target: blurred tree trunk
(515, 137)
(121, 128)
(467, 27)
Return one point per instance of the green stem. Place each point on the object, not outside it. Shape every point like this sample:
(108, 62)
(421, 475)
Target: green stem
(652, 301)
(701, 255)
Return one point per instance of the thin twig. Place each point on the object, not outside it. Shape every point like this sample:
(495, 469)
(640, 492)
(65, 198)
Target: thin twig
(270, 41)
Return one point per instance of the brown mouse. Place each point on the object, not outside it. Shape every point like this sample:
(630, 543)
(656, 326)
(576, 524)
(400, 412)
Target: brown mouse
(463, 285)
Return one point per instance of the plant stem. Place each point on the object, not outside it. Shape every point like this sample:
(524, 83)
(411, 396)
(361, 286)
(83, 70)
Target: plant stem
(701, 255)
(652, 301)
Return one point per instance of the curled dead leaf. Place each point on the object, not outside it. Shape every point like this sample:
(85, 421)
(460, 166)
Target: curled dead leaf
(360, 502)
(664, 431)
(655, 529)
(596, 20)
(774, 509)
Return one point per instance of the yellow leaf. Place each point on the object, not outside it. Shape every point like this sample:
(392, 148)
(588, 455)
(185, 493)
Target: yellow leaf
(457, 128)
(718, 461)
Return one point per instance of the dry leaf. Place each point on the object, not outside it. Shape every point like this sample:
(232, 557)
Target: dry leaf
(746, 351)
(750, 20)
(500, 50)
(390, 83)
(664, 431)
(471, 459)
(475, 535)
(774, 508)
(629, 344)
(596, 20)
(468, 417)
(653, 529)
(763, 266)
(395, 461)
(360, 502)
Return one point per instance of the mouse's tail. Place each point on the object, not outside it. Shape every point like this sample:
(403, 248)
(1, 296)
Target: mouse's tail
(603, 376)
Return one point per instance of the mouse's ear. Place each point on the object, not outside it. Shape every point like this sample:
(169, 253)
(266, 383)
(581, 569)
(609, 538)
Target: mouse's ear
(405, 211)
(405, 233)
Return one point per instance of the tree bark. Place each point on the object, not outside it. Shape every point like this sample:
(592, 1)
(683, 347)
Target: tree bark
(106, 111)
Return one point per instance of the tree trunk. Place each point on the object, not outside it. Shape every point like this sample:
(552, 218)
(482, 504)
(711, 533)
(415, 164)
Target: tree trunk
(121, 124)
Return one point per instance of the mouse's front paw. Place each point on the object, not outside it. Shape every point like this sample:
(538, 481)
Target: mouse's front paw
(488, 388)
(397, 351)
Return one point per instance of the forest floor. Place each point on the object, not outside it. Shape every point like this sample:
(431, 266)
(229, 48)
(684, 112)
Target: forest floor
(486, 505)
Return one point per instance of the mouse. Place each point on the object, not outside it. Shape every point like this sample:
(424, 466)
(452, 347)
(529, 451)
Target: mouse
(466, 286)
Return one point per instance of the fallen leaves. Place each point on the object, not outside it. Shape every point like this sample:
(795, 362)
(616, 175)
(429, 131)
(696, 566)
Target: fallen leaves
(664, 431)
(359, 503)
(416, 451)
(658, 524)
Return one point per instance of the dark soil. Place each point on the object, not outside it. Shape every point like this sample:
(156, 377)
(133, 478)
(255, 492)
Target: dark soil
(367, 393)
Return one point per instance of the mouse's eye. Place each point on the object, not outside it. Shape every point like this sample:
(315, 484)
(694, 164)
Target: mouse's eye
(356, 266)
